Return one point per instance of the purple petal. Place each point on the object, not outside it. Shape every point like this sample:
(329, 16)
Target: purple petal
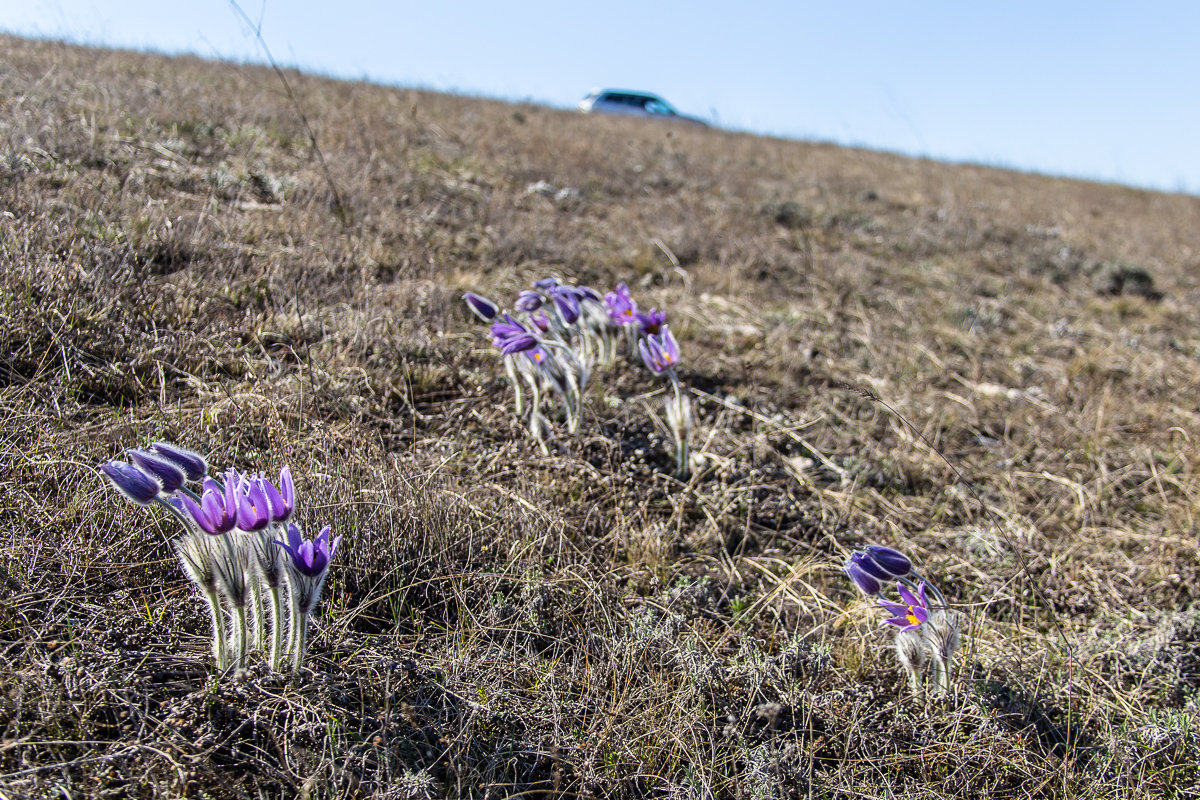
(907, 596)
(294, 537)
(287, 487)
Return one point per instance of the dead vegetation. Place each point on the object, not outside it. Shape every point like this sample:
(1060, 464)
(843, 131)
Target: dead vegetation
(501, 622)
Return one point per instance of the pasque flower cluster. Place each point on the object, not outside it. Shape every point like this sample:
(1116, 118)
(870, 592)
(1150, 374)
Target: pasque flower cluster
(239, 546)
(925, 631)
(557, 334)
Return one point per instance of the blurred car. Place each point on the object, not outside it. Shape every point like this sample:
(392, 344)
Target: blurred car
(634, 104)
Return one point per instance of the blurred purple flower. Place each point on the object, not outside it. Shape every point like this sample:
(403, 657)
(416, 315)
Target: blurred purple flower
(512, 337)
(566, 301)
(651, 321)
(138, 487)
(660, 352)
(483, 308)
(528, 300)
(165, 471)
(621, 307)
(912, 613)
(588, 293)
(540, 320)
(545, 284)
(193, 464)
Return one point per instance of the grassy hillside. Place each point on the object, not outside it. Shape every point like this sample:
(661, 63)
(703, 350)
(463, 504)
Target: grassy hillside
(179, 265)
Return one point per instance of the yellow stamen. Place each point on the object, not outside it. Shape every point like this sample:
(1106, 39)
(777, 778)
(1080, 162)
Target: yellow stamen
(912, 618)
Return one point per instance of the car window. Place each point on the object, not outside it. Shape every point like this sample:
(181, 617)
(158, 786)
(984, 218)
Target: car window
(658, 107)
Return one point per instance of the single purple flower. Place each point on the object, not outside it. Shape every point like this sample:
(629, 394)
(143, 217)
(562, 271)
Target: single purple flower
(566, 301)
(621, 307)
(280, 501)
(310, 559)
(545, 284)
(512, 337)
(868, 565)
(528, 300)
(651, 321)
(169, 475)
(192, 463)
(896, 563)
(863, 578)
(660, 352)
(253, 507)
(588, 293)
(137, 486)
(481, 307)
(912, 613)
(540, 321)
(519, 344)
(216, 513)
(537, 355)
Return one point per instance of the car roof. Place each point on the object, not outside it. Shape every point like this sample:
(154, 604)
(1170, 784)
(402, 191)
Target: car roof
(598, 92)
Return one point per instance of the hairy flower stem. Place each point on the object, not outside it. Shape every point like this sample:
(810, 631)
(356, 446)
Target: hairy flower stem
(942, 676)
(277, 624)
(258, 631)
(239, 637)
(301, 642)
(679, 417)
(511, 369)
(220, 650)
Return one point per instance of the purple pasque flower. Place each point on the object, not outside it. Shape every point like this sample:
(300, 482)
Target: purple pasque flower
(512, 337)
(538, 355)
(660, 352)
(280, 501)
(252, 506)
(192, 463)
(480, 306)
(310, 559)
(566, 301)
(621, 307)
(545, 284)
(528, 300)
(168, 474)
(588, 293)
(216, 513)
(910, 614)
(894, 562)
(540, 321)
(865, 574)
(651, 321)
(138, 487)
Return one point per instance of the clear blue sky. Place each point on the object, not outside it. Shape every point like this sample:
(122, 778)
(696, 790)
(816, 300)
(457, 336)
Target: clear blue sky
(1101, 90)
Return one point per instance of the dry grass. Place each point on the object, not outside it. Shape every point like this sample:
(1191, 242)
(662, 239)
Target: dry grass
(583, 624)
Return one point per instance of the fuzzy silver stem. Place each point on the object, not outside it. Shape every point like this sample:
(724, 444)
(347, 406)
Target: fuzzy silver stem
(679, 418)
(277, 624)
(258, 631)
(239, 637)
(220, 651)
(912, 655)
(300, 644)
